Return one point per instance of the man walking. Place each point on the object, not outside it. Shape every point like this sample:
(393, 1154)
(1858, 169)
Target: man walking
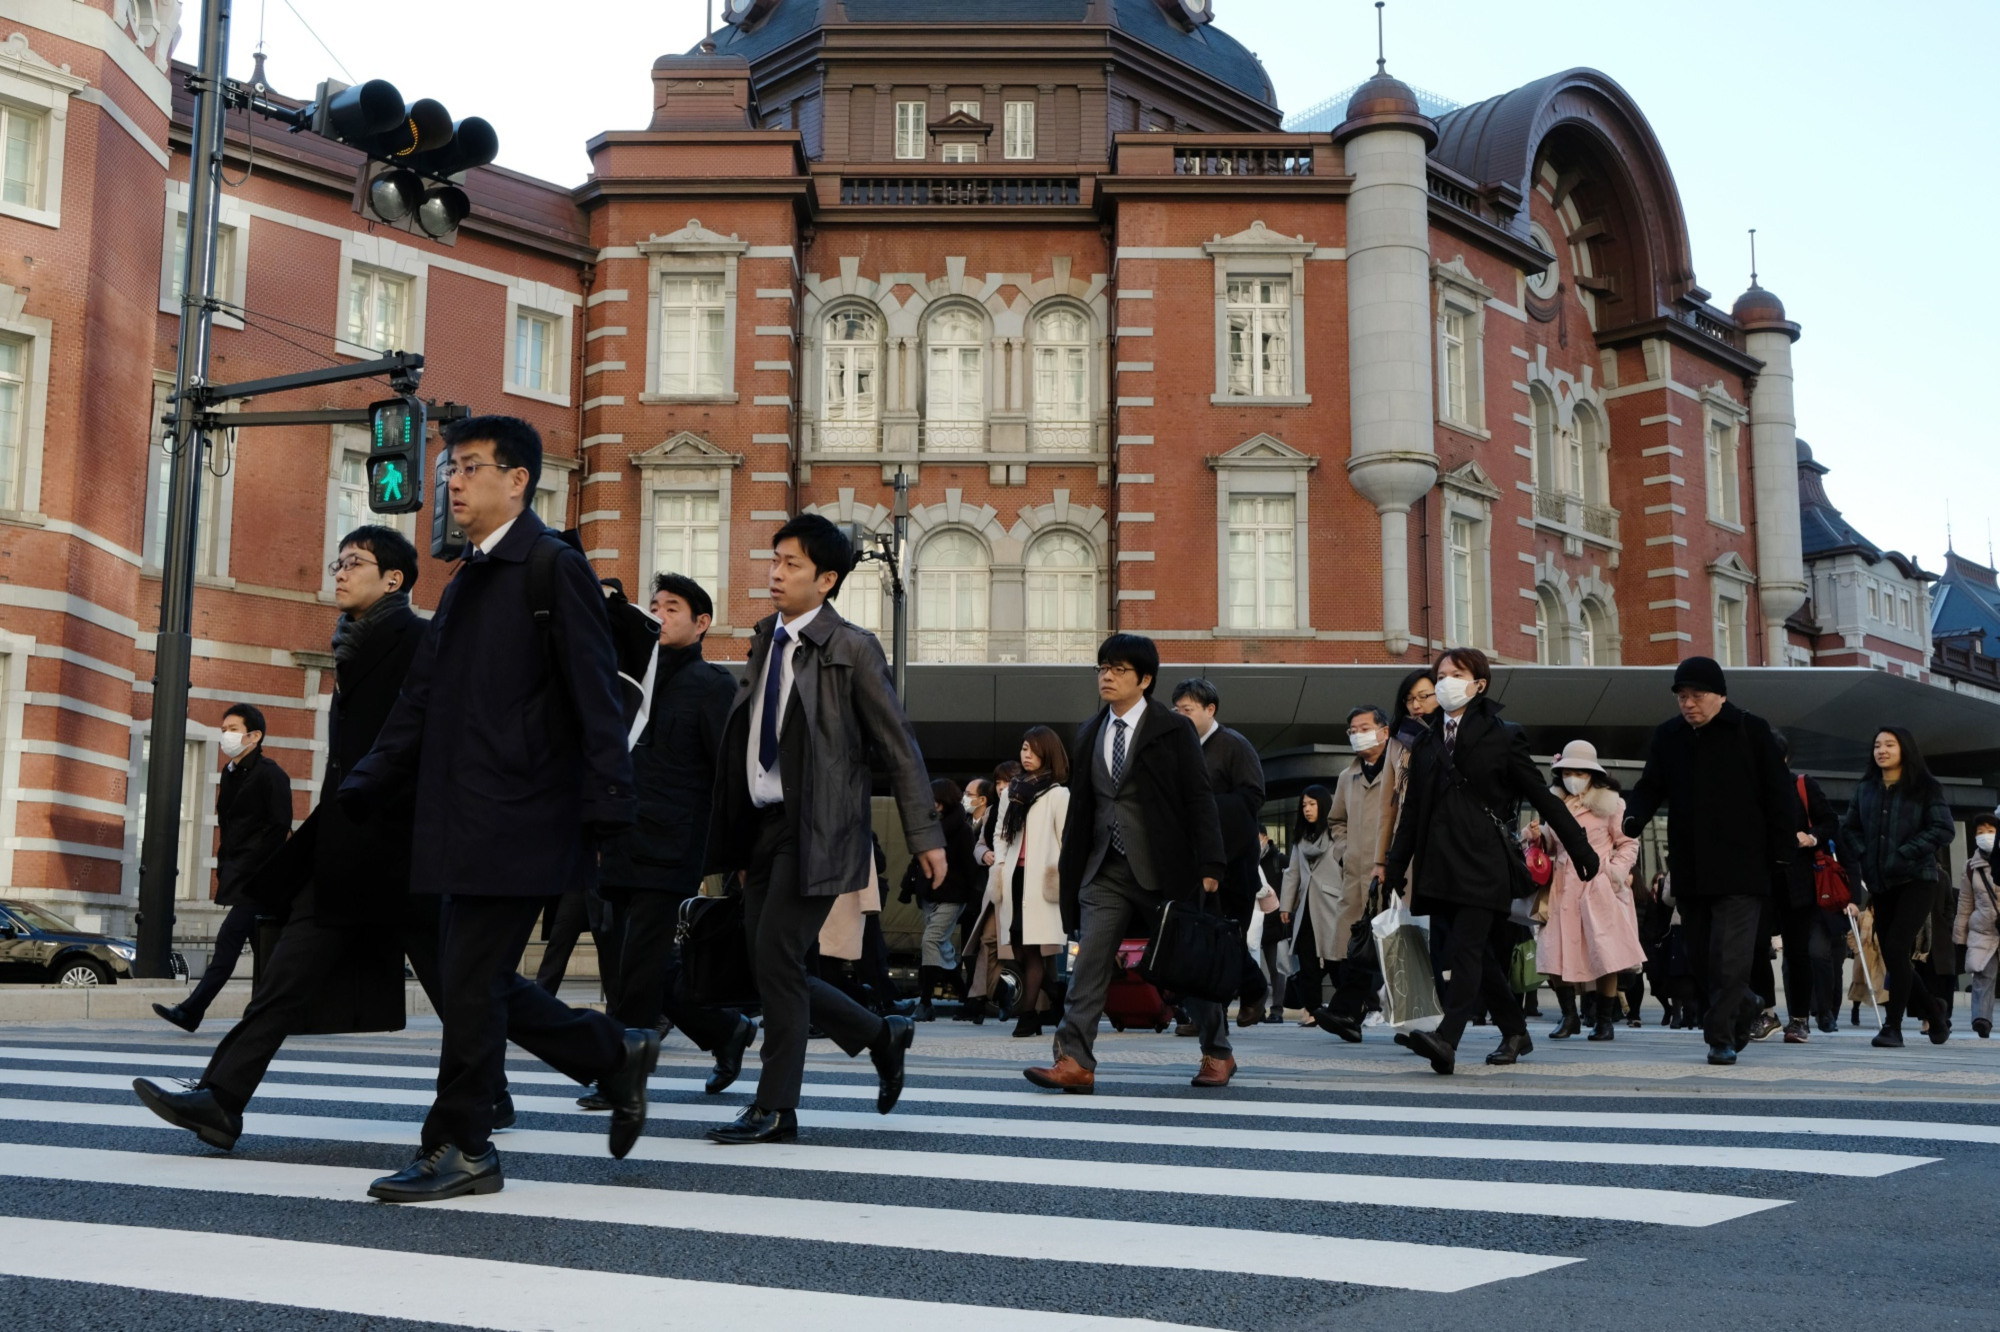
(352, 918)
(1141, 832)
(1236, 785)
(1356, 818)
(253, 812)
(792, 813)
(512, 733)
(1730, 830)
(648, 872)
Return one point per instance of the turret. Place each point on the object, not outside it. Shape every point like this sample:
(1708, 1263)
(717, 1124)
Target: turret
(1781, 572)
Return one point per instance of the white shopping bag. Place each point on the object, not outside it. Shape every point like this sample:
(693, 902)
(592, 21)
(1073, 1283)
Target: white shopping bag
(1409, 990)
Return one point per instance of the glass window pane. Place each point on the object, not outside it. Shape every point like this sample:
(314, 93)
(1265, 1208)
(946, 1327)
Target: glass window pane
(19, 183)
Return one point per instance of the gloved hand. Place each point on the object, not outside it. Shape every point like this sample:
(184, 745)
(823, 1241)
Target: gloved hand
(1588, 864)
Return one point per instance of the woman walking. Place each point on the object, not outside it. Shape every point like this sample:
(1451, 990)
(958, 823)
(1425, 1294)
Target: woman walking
(941, 906)
(1309, 901)
(1894, 829)
(1025, 888)
(1977, 927)
(1466, 779)
(1592, 932)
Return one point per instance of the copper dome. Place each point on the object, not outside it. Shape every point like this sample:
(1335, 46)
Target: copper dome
(1757, 307)
(1384, 101)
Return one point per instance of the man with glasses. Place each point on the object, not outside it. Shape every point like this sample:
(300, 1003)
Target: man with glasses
(513, 737)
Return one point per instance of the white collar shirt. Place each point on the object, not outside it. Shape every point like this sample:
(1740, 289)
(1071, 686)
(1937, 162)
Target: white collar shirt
(1131, 720)
(493, 537)
(767, 787)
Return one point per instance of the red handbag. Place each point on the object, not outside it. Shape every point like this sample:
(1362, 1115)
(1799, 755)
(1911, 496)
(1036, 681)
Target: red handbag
(1830, 884)
(1540, 868)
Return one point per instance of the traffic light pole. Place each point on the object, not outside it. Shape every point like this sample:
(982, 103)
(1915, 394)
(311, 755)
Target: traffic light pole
(159, 859)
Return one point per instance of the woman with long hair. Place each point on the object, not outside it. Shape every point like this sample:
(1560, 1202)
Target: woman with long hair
(1592, 933)
(1895, 827)
(1309, 900)
(1027, 891)
(1409, 719)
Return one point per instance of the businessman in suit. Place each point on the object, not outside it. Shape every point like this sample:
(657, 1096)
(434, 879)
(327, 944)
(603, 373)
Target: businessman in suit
(1142, 831)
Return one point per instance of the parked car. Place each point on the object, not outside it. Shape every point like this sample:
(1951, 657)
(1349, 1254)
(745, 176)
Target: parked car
(38, 947)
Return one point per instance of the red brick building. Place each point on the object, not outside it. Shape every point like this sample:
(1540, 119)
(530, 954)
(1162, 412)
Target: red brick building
(1148, 361)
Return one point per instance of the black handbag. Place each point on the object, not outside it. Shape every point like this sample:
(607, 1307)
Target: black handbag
(1195, 953)
(1361, 934)
(715, 954)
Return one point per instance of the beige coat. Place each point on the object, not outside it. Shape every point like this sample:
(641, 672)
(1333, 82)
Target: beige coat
(1041, 904)
(1355, 821)
(1978, 922)
(1395, 769)
(840, 937)
(1312, 891)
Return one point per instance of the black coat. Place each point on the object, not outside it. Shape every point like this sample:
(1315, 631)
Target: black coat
(1458, 812)
(673, 770)
(253, 809)
(1236, 784)
(512, 759)
(1182, 834)
(1813, 815)
(965, 877)
(1730, 802)
(1891, 838)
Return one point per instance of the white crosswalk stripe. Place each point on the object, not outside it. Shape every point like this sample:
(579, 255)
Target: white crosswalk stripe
(1036, 1183)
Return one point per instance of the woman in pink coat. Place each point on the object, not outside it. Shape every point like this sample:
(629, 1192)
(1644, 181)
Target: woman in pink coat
(1592, 932)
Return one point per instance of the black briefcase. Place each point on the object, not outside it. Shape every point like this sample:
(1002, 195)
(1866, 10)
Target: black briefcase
(715, 955)
(1196, 953)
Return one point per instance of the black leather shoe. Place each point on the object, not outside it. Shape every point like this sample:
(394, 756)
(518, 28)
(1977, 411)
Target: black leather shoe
(887, 1054)
(179, 1016)
(1889, 1038)
(440, 1173)
(593, 1101)
(625, 1089)
(195, 1110)
(503, 1111)
(1402, 1038)
(1511, 1049)
(1940, 1029)
(1339, 1024)
(1432, 1047)
(756, 1124)
(729, 1057)
(1570, 1025)
(1721, 1054)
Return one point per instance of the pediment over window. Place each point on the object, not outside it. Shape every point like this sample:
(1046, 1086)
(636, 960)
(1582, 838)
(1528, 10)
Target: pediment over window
(1259, 239)
(961, 127)
(694, 236)
(1471, 479)
(1732, 567)
(686, 449)
(1266, 451)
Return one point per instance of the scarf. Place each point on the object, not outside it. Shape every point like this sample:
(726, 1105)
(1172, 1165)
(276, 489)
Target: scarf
(350, 632)
(1025, 791)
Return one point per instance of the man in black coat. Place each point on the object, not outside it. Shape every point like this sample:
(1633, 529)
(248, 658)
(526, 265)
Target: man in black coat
(253, 812)
(1730, 831)
(1141, 832)
(513, 736)
(648, 872)
(1236, 784)
(792, 813)
(338, 963)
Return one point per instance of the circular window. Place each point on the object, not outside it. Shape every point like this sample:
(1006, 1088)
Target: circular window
(1543, 283)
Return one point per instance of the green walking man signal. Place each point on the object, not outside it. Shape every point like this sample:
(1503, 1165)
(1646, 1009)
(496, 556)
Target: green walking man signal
(395, 455)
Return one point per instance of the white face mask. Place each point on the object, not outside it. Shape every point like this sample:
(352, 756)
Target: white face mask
(232, 743)
(969, 805)
(1984, 842)
(1453, 693)
(1363, 740)
(1575, 783)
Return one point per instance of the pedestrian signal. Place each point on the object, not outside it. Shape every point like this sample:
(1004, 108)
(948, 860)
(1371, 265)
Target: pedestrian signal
(395, 456)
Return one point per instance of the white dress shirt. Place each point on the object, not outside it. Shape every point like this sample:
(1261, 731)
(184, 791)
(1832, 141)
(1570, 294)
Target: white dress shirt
(493, 537)
(1131, 720)
(767, 788)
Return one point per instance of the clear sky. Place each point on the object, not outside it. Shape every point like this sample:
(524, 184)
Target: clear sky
(1853, 136)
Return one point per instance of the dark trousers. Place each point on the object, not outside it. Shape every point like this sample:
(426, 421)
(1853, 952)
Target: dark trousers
(573, 914)
(308, 951)
(1308, 972)
(1254, 990)
(1720, 931)
(486, 1002)
(1477, 974)
(649, 968)
(1763, 974)
(1812, 968)
(230, 938)
(1900, 912)
(1274, 935)
(782, 926)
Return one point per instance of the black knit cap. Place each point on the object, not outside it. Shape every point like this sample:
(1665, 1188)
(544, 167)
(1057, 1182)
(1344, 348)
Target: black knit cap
(1700, 673)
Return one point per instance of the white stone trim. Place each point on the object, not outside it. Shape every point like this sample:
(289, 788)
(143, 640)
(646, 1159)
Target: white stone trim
(1265, 465)
(1459, 292)
(385, 255)
(1260, 252)
(539, 298)
(687, 461)
(231, 216)
(32, 84)
(693, 251)
(37, 334)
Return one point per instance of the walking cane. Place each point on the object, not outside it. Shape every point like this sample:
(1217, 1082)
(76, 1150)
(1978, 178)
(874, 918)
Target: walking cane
(1861, 959)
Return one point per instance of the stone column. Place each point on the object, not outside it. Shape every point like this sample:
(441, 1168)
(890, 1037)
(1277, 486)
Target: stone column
(1774, 466)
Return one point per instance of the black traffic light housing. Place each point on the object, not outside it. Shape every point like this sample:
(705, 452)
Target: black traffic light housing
(396, 455)
(427, 153)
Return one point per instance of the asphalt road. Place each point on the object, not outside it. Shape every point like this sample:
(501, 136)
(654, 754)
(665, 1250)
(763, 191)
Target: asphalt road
(1824, 1186)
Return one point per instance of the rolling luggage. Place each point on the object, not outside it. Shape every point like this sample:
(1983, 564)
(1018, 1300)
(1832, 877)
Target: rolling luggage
(1133, 1001)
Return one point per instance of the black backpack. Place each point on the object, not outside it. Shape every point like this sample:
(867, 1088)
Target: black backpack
(633, 632)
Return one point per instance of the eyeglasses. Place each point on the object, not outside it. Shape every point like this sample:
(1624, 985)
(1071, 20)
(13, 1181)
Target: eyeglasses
(1115, 668)
(466, 469)
(349, 563)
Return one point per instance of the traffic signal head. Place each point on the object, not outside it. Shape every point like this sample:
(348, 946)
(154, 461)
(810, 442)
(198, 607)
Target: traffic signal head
(443, 208)
(473, 143)
(395, 455)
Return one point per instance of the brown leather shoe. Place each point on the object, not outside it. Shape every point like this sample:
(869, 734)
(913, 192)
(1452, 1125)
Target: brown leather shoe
(1214, 1072)
(1067, 1075)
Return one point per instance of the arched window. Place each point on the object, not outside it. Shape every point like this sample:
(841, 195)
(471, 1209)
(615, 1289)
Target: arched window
(1062, 382)
(951, 599)
(1550, 647)
(955, 387)
(1062, 599)
(861, 600)
(1542, 418)
(1594, 472)
(852, 420)
(1599, 649)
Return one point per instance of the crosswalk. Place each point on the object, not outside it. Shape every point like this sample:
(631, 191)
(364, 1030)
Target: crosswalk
(975, 1205)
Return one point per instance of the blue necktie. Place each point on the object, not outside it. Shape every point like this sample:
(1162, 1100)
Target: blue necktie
(767, 739)
(1117, 778)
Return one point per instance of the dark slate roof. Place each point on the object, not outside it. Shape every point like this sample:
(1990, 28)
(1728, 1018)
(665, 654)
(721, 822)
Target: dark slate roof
(1822, 531)
(1206, 48)
(1966, 600)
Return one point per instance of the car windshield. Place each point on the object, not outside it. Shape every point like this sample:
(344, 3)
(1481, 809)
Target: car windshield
(41, 919)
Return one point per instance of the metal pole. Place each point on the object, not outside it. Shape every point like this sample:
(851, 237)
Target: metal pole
(901, 630)
(159, 856)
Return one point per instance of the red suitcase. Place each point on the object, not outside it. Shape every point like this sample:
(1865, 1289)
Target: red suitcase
(1132, 1000)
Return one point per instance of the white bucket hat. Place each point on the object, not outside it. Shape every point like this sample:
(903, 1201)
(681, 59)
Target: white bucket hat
(1578, 756)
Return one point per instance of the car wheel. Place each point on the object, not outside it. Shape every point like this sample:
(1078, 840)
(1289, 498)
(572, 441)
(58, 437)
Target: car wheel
(80, 972)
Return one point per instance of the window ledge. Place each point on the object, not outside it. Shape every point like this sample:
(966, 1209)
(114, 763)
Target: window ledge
(1307, 632)
(41, 217)
(1564, 529)
(1727, 526)
(535, 395)
(23, 518)
(1237, 400)
(689, 397)
(221, 582)
(981, 459)
(1464, 428)
(359, 352)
